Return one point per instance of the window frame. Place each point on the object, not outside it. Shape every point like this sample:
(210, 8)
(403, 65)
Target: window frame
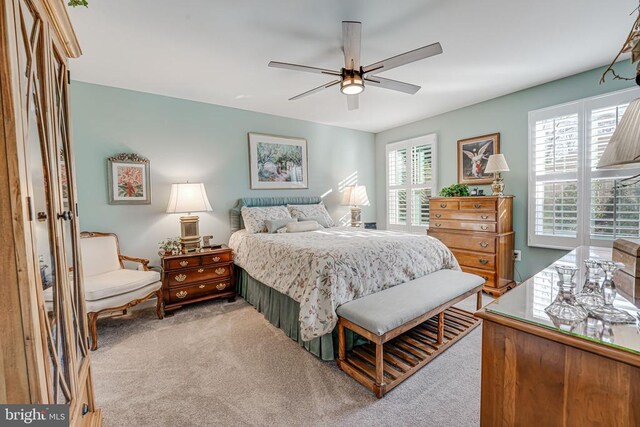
(584, 176)
(429, 139)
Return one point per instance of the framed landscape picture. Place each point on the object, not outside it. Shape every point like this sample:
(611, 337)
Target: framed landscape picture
(129, 182)
(277, 162)
(473, 154)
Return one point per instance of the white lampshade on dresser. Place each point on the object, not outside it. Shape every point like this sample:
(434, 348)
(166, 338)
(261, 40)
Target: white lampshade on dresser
(496, 164)
(355, 196)
(188, 198)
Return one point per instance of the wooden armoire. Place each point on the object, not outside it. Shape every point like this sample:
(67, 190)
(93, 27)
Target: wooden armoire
(44, 355)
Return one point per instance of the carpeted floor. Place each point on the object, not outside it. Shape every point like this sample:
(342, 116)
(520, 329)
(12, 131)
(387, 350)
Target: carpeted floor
(223, 364)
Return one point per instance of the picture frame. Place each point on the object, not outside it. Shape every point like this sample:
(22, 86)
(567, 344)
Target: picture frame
(129, 179)
(277, 162)
(473, 154)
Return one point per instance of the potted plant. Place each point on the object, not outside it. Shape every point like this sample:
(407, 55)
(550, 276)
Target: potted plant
(170, 246)
(455, 190)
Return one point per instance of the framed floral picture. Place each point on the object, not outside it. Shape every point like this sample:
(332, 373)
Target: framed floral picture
(473, 154)
(129, 182)
(277, 162)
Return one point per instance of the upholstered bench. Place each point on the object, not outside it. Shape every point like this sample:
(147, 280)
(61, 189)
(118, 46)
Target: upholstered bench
(408, 325)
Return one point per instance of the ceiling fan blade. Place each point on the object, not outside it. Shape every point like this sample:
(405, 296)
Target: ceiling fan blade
(351, 36)
(392, 84)
(295, 67)
(353, 102)
(314, 90)
(404, 58)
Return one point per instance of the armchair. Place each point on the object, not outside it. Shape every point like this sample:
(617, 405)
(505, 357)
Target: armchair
(110, 287)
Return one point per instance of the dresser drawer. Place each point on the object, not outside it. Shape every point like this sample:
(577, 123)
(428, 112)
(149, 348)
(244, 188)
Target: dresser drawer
(488, 276)
(193, 275)
(475, 259)
(444, 204)
(215, 258)
(463, 225)
(186, 262)
(463, 241)
(478, 205)
(463, 215)
(184, 293)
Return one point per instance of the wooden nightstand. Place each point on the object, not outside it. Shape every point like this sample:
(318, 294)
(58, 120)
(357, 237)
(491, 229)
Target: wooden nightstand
(194, 277)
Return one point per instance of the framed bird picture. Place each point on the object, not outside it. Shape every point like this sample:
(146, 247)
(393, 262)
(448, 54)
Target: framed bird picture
(473, 154)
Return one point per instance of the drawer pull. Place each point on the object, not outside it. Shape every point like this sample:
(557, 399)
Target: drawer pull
(484, 244)
(215, 259)
(221, 286)
(477, 206)
(484, 227)
(485, 278)
(201, 270)
(438, 215)
(181, 294)
(181, 277)
(484, 261)
(443, 205)
(220, 270)
(437, 224)
(201, 287)
(484, 216)
(184, 263)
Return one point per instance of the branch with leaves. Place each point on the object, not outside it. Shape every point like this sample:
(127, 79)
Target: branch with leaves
(76, 3)
(631, 44)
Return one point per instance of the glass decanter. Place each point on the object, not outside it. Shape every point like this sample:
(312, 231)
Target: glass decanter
(607, 312)
(591, 294)
(565, 309)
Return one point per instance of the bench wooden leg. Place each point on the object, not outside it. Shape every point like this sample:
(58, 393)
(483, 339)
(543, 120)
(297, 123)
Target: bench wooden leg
(479, 301)
(379, 370)
(440, 327)
(342, 347)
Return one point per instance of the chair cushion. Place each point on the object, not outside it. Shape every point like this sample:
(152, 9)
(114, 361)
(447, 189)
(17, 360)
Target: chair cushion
(386, 310)
(99, 255)
(117, 282)
(120, 300)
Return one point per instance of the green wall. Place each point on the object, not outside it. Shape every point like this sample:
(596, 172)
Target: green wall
(509, 116)
(199, 142)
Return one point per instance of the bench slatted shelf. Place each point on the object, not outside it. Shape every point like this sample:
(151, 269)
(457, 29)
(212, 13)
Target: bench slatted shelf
(407, 325)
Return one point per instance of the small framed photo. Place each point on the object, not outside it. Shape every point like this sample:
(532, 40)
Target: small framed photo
(129, 180)
(277, 162)
(473, 154)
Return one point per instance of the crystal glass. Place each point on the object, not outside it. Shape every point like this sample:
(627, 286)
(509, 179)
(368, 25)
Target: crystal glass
(607, 312)
(591, 294)
(565, 309)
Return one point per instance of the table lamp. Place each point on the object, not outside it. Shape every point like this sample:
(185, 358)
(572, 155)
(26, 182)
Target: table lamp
(188, 198)
(355, 196)
(496, 164)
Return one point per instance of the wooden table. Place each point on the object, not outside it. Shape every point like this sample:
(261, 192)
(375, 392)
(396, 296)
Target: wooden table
(535, 374)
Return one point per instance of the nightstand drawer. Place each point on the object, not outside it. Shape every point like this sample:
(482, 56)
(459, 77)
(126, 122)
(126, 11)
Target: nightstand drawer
(215, 258)
(448, 205)
(463, 215)
(478, 205)
(465, 241)
(194, 275)
(475, 260)
(184, 293)
(187, 262)
(462, 225)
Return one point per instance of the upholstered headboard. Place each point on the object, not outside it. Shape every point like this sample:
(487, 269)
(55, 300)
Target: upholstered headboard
(236, 217)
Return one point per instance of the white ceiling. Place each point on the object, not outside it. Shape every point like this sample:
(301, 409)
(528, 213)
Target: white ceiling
(217, 51)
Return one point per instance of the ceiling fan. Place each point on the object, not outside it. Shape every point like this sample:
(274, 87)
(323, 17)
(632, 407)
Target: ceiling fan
(352, 76)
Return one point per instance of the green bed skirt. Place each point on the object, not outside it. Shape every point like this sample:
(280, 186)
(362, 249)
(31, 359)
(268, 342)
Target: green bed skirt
(282, 311)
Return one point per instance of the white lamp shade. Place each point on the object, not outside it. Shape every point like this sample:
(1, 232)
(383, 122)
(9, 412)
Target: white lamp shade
(355, 195)
(189, 197)
(624, 145)
(496, 163)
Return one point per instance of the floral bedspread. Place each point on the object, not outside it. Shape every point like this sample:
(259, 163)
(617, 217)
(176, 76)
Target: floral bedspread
(326, 268)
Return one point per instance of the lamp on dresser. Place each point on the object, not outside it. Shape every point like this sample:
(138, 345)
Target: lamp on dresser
(188, 198)
(496, 164)
(355, 196)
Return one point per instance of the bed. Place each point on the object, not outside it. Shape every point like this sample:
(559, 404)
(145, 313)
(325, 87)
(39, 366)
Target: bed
(299, 279)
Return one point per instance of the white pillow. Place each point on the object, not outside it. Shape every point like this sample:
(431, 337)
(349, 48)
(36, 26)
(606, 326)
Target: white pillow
(311, 211)
(254, 218)
(298, 227)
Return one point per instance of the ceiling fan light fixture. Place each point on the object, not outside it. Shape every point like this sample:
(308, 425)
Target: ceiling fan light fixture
(352, 83)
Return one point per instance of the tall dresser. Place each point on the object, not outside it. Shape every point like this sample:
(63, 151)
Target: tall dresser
(479, 232)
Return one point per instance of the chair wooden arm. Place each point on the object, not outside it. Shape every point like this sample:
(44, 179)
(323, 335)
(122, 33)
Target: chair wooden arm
(142, 261)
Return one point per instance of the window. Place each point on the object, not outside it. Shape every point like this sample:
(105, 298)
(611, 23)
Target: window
(571, 202)
(411, 181)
